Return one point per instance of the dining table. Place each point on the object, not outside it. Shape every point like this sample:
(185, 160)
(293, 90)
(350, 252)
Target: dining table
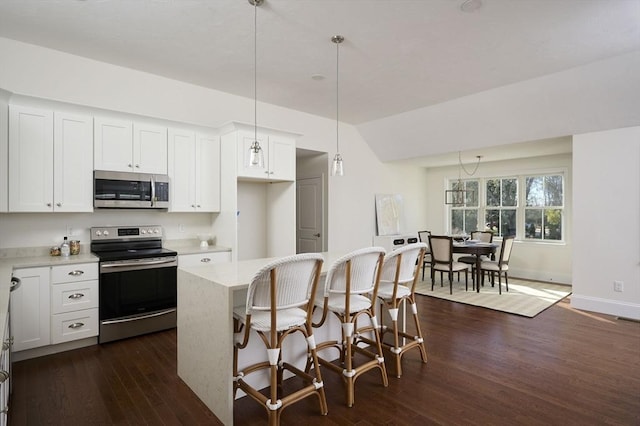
(478, 249)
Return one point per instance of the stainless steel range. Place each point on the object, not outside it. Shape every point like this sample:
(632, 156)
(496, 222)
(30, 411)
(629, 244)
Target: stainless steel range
(138, 281)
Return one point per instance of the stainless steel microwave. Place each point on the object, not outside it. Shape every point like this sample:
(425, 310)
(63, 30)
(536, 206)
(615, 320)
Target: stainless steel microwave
(122, 190)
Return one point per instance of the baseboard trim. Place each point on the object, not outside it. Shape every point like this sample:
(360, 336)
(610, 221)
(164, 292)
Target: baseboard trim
(606, 306)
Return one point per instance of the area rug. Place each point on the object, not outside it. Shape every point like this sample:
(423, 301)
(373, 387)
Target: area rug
(525, 298)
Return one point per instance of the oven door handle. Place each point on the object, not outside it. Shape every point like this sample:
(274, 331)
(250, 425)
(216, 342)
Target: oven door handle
(135, 265)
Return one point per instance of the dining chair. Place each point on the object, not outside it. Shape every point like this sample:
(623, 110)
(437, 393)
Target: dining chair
(350, 291)
(500, 266)
(442, 261)
(280, 303)
(480, 236)
(423, 236)
(397, 288)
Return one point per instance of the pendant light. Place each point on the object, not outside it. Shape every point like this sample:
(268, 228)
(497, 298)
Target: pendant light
(337, 167)
(458, 196)
(255, 159)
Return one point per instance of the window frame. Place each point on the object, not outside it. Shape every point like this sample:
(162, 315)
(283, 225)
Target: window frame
(521, 203)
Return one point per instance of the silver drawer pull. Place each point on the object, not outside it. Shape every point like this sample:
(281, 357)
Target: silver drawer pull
(76, 273)
(76, 325)
(75, 296)
(3, 376)
(205, 260)
(6, 345)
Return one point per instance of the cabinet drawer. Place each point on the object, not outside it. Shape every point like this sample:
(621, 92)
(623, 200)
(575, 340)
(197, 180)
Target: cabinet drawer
(70, 297)
(73, 273)
(200, 259)
(74, 325)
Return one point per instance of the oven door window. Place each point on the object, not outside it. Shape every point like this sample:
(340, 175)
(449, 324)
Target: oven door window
(136, 292)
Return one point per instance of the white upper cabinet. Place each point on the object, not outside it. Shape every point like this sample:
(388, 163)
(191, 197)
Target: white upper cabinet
(30, 160)
(113, 145)
(194, 169)
(49, 161)
(124, 146)
(207, 172)
(279, 157)
(149, 149)
(72, 166)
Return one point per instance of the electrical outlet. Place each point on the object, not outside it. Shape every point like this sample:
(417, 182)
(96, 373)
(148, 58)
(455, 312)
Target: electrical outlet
(618, 286)
(181, 228)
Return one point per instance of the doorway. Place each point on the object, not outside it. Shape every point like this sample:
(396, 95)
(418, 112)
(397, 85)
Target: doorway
(311, 201)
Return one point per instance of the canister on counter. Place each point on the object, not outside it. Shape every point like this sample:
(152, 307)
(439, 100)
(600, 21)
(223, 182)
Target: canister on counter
(74, 246)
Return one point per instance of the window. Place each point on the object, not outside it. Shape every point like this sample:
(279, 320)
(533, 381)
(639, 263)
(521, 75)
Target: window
(535, 213)
(544, 207)
(464, 217)
(501, 206)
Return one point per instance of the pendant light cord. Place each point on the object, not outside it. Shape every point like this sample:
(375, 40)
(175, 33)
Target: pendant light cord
(465, 170)
(337, 96)
(255, 70)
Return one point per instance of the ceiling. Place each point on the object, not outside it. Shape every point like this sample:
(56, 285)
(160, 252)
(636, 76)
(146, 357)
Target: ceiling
(398, 55)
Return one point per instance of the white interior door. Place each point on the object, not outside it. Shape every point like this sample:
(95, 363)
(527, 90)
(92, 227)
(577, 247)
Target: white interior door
(309, 210)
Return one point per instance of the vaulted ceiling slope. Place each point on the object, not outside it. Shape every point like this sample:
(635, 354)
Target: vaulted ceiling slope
(401, 59)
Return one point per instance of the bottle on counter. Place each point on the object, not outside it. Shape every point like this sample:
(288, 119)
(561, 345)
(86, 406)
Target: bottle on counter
(65, 249)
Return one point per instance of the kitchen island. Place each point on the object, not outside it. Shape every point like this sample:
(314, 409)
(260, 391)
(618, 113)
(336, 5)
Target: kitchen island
(206, 297)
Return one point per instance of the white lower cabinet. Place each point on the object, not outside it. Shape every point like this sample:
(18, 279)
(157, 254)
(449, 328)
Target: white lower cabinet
(54, 305)
(199, 259)
(31, 309)
(74, 302)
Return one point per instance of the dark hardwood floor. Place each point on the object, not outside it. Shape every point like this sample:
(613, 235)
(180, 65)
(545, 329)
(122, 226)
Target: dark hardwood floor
(563, 367)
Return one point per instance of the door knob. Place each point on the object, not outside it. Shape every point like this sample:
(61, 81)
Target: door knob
(317, 235)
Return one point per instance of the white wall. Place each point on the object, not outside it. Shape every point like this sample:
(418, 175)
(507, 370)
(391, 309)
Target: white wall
(538, 261)
(606, 221)
(44, 73)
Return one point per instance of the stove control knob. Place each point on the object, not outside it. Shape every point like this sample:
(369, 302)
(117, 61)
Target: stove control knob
(156, 231)
(105, 233)
(144, 231)
(98, 233)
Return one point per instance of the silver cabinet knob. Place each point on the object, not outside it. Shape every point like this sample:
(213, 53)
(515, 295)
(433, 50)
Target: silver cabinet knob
(59, 204)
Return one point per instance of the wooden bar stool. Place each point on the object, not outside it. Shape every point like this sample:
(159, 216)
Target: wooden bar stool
(349, 293)
(279, 304)
(400, 274)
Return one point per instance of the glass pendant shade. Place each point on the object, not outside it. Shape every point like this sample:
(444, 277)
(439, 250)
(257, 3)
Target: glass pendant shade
(256, 156)
(336, 168)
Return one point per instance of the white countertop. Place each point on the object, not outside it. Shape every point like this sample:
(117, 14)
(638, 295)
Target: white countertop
(237, 275)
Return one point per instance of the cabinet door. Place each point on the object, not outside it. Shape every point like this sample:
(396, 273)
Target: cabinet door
(149, 149)
(282, 158)
(245, 139)
(182, 154)
(30, 309)
(73, 163)
(113, 145)
(207, 165)
(30, 159)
